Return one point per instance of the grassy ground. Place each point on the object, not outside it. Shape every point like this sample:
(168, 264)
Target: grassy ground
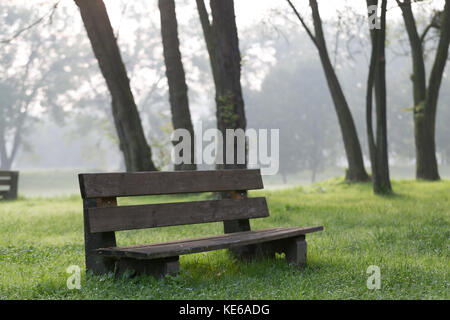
(406, 235)
(63, 182)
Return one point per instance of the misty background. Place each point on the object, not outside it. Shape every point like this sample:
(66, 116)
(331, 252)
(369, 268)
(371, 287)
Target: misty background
(50, 72)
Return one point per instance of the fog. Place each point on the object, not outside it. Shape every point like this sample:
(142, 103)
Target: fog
(49, 73)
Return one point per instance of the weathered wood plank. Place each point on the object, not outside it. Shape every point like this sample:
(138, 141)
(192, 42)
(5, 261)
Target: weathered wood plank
(171, 214)
(239, 225)
(92, 241)
(14, 185)
(4, 173)
(180, 247)
(98, 185)
(296, 251)
(11, 179)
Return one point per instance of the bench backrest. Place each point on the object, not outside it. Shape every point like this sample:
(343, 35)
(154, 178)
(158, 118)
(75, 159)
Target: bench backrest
(106, 216)
(9, 179)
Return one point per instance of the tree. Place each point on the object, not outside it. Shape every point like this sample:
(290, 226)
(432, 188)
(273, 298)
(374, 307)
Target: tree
(136, 151)
(377, 79)
(356, 170)
(14, 112)
(222, 42)
(30, 78)
(425, 94)
(209, 38)
(178, 91)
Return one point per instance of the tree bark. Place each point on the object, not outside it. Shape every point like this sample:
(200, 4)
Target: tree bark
(313, 174)
(283, 177)
(426, 97)
(208, 35)
(178, 90)
(136, 151)
(5, 163)
(356, 171)
(377, 78)
(223, 47)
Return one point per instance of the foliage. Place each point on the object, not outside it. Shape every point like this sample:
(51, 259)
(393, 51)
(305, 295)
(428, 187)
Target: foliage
(39, 75)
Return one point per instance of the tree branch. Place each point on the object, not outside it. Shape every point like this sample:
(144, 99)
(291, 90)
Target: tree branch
(48, 15)
(302, 21)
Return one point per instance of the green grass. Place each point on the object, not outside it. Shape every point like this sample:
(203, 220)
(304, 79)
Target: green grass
(406, 235)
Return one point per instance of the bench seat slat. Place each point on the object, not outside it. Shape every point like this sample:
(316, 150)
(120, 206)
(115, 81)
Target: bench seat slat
(4, 182)
(180, 247)
(106, 219)
(99, 185)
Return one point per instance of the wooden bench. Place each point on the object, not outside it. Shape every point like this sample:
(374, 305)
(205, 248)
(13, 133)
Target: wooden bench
(11, 180)
(102, 217)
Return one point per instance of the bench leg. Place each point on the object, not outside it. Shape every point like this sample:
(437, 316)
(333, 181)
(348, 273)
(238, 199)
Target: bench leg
(260, 251)
(157, 267)
(293, 248)
(295, 251)
(10, 195)
(14, 186)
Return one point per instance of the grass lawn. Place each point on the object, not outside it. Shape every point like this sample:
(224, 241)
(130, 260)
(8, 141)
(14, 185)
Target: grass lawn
(407, 235)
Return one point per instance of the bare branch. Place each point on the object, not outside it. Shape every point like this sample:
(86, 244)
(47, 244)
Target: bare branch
(302, 21)
(48, 15)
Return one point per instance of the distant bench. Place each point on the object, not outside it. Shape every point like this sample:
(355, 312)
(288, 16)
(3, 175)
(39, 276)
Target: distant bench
(11, 180)
(102, 217)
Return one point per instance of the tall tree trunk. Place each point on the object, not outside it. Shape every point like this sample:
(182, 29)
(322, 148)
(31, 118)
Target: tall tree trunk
(178, 90)
(313, 174)
(356, 170)
(377, 78)
(3, 152)
(7, 158)
(208, 35)
(5, 163)
(223, 47)
(283, 177)
(369, 106)
(426, 97)
(136, 151)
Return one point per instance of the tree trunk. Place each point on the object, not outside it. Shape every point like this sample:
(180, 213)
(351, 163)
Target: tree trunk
(6, 160)
(426, 98)
(377, 78)
(136, 151)
(208, 35)
(223, 48)
(283, 177)
(5, 163)
(313, 174)
(356, 170)
(425, 122)
(225, 61)
(178, 91)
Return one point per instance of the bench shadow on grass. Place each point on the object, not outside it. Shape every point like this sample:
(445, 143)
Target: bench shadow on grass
(214, 264)
(214, 274)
